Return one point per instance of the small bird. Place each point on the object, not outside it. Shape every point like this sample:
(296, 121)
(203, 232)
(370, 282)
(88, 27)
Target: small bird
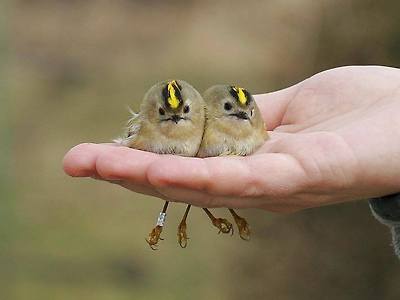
(234, 126)
(171, 121)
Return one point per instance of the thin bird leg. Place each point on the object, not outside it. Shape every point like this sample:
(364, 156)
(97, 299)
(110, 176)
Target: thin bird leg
(223, 225)
(243, 226)
(155, 234)
(182, 235)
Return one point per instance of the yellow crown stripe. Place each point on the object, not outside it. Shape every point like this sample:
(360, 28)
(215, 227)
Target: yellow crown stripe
(241, 95)
(173, 99)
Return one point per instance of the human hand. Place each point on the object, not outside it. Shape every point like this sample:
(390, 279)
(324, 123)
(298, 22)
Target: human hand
(335, 137)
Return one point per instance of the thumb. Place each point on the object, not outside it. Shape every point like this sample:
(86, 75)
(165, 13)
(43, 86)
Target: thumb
(273, 105)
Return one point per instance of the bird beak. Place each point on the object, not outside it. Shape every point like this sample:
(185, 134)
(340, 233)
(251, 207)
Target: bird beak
(241, 115)
(176, 118)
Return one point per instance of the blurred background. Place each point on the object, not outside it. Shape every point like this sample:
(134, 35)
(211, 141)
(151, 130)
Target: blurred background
(69, 69)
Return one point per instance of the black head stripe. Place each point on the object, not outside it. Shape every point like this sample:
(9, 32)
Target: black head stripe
(178, 85)
(233, 92)
(178, 92)
(171, 94)
(178, 89)
(242, 96)
(248, 96)
(165, 95)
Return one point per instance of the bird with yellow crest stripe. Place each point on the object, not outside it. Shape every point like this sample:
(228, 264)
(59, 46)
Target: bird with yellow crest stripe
(170, 121)
(234, 126)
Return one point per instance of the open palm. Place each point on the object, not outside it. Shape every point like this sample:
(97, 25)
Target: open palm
(335, 137)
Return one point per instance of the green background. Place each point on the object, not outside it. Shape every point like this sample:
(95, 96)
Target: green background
(69, 69)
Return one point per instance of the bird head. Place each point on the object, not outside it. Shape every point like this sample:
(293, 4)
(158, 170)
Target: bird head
(231, 103)
(173, 106)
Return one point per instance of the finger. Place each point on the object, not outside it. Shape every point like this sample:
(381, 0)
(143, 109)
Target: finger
(274, 135)
(126, 164)
(109, 162)
(141, 189)
(274, 105)
(268, 174)
(203, 199)
(275, 138)
(281, 208)
(196, 198)
(80, 161)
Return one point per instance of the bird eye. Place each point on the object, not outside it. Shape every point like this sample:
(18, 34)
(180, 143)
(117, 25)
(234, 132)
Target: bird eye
(161, 111)
(186, 109)
(227, 106)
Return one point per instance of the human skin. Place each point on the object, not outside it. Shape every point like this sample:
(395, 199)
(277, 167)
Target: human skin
(334, 137)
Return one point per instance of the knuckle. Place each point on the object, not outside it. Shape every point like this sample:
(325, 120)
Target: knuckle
(105, 166)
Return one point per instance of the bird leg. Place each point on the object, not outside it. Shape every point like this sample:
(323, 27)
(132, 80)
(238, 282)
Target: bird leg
(155, 234)
(182, 235)
(223, 225)
(243, 226)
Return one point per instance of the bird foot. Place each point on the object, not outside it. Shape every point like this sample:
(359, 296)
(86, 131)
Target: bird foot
(182, 235)
(154, 237)
(243, 226)
(223, 225)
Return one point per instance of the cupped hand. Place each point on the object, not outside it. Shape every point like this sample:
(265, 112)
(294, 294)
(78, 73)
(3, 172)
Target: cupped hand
(334, 137)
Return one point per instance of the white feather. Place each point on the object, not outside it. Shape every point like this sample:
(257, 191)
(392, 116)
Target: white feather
(131, 129)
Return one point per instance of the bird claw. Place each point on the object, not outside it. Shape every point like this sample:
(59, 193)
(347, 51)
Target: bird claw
(223, 225)
(244, 228)
(154, 237)
(182, 235)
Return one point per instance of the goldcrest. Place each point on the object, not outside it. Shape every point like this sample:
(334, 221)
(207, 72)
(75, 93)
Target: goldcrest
(234, 123)
(234, 126)
(171, 121)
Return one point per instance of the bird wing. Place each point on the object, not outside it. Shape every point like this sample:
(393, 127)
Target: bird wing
(131, 130)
